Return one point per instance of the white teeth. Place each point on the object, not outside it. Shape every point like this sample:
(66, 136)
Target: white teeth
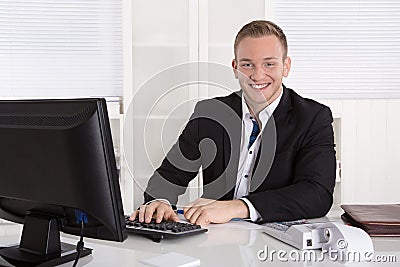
(259, 86)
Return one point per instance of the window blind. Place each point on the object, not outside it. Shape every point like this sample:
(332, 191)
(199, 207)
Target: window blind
(341, 48)
(60, 48)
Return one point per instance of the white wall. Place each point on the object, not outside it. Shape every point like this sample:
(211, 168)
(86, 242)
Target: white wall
(370, 143)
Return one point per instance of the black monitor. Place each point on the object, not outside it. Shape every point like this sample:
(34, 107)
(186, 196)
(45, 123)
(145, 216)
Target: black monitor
(57, 173)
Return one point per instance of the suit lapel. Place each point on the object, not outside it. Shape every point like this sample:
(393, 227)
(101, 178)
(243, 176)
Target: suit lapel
(284, 106)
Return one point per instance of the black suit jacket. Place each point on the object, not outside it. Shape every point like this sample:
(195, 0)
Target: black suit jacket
(294, 175)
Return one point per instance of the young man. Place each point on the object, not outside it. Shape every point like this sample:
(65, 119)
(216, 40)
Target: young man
(259, 167)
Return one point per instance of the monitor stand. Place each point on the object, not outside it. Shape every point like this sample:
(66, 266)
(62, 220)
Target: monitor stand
(40, 244)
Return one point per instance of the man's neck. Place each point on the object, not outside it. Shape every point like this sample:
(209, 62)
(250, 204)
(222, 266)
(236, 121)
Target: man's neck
(256, 108)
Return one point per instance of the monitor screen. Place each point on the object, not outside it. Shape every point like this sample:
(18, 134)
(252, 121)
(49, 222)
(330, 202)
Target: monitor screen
(57, 169)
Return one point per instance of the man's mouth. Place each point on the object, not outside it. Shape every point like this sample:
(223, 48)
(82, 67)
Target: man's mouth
(260, 86)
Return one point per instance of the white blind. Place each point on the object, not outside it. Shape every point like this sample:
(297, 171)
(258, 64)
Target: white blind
(341, 48)
(63, 48)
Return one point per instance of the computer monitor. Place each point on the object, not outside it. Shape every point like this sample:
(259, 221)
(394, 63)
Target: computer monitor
(57, 169)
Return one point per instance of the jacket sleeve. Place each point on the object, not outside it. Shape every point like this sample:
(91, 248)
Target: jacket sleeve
(310, 193)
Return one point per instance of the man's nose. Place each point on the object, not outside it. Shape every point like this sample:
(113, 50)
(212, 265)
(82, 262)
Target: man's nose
(258, 74)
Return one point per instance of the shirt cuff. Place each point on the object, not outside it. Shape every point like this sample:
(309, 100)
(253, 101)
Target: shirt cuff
(254, 214)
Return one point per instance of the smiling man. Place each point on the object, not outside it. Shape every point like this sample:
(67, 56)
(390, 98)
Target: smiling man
(272, 155)
(260, 64)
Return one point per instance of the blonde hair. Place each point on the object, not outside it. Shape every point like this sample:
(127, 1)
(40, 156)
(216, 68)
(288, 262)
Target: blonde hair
(260, 28)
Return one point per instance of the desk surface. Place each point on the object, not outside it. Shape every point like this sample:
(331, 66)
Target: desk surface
(232, 244)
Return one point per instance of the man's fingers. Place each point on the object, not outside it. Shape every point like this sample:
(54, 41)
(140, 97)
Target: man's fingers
(195, 215)
(171, 216)
(203, 219)
(188, 213)
(175, 217)
(194, 204)
(160, 214)
(134, 214)
(142, 210)
(189, 206)
(165, 211)
(161, 209)
(198, 203)
(148, 215)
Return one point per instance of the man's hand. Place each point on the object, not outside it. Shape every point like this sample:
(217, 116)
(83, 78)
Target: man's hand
(204, 211)
(159, 209)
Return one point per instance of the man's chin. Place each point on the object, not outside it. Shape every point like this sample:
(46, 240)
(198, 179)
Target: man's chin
(257, 101)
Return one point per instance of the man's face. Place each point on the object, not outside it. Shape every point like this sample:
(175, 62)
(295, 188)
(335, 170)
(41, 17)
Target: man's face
(260, 67)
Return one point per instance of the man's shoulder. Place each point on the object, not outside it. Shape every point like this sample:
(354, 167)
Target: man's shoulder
(303, 104)
(231, 101)
(234, 97)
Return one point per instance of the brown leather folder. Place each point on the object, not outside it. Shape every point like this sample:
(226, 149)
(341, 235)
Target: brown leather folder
(376, 220)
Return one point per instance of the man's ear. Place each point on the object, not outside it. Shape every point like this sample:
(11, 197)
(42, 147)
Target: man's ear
(286, 66)
(234, 67)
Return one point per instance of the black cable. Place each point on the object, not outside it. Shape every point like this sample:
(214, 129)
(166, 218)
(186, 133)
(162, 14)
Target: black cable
(79, 245)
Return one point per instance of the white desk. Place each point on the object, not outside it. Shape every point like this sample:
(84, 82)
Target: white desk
(232, 244)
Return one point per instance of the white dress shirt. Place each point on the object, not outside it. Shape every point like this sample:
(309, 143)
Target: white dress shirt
(248, 155)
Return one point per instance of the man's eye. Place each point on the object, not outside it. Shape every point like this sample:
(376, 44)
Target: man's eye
(269, 64)
(247, 65)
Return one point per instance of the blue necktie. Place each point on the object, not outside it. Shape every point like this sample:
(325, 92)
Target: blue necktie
(254, 133)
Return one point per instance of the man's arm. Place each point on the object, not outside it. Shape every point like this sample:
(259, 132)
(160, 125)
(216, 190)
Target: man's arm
(310, 194)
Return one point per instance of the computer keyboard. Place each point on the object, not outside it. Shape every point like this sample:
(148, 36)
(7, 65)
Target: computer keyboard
(164, 229)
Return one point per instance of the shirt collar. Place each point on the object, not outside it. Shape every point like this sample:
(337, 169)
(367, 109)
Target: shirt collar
(265, 113)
